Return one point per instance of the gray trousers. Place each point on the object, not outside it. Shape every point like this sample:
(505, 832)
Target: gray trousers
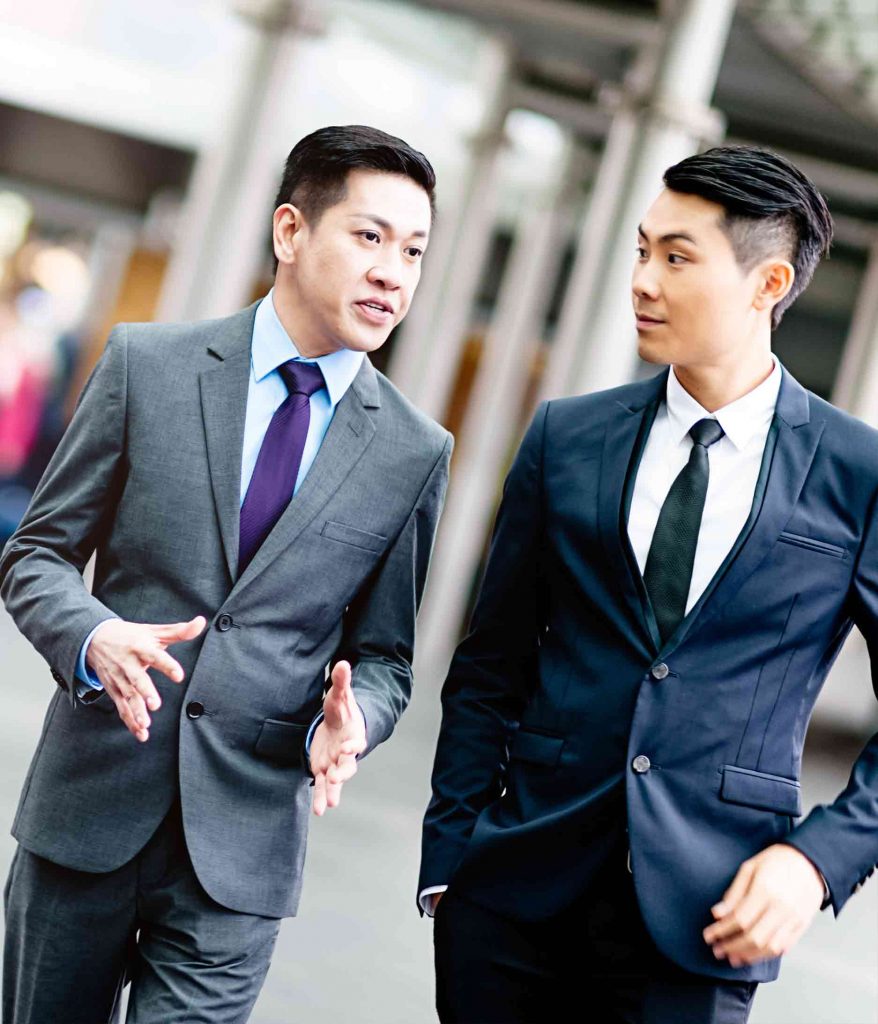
(72, 937)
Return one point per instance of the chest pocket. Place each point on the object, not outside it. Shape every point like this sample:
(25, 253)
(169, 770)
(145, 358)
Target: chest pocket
(353, 536)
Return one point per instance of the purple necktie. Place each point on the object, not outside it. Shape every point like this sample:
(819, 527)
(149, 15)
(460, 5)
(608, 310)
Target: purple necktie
(277, 467)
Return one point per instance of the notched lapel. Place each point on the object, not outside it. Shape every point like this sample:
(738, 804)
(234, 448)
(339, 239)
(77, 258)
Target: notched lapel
(624, 440)
(223, 409)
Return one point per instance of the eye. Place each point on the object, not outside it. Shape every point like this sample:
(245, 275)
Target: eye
(370, 236)
(641, 252)
(675, 259)
(414, 252)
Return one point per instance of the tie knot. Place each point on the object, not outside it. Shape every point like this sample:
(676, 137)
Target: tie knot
(301, 378)
(706, 432)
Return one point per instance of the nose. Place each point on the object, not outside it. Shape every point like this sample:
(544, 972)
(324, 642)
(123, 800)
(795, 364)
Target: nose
(387, 275)
(644, 283)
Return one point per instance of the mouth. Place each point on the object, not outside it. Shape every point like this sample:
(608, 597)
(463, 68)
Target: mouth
(645, 322)
(376, 311)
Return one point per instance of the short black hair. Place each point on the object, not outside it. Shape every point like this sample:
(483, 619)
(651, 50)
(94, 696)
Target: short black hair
(771, 208)
(316, 171)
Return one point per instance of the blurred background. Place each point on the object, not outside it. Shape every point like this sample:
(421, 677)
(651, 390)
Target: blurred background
(141, 145)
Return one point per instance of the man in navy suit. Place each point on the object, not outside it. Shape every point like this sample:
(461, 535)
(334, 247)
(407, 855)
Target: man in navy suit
(674, 568)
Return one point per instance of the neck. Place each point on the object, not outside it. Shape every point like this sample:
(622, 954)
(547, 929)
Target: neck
(308, 344)
(716, 386)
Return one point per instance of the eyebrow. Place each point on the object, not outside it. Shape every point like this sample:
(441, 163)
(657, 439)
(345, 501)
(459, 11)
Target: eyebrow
(672, 236)
(386, 225)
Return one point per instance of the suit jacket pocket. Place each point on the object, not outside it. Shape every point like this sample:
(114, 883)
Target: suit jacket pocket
(536, 747)
(351, 535)
(812, 544)
(761, 790)
(283, 742)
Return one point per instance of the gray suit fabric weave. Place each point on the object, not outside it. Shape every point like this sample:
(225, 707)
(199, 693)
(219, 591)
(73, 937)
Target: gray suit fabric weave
(148, 474)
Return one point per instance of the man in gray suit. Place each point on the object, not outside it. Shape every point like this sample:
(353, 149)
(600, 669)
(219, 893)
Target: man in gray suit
(258, 488)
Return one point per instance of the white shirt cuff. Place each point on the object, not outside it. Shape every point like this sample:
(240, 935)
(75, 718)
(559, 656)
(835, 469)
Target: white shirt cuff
(424, 898)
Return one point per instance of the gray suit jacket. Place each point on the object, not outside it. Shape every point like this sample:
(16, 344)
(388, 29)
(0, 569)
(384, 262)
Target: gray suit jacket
(148, 475)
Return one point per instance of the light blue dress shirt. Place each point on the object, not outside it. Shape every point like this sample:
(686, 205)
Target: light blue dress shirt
(270, 347)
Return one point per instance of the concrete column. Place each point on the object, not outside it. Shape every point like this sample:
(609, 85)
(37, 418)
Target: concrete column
(452, 239)
(677, 121)
(225, 222)
(856, 385)
(598, 229)
(492, 422)
(438, 342)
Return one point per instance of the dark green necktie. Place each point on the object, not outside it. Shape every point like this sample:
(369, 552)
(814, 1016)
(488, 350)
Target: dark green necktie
(668, 571)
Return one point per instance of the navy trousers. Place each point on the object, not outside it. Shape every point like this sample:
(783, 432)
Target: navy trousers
(596, 956)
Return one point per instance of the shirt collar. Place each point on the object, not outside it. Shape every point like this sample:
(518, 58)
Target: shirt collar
(741, 420)
(273, 346)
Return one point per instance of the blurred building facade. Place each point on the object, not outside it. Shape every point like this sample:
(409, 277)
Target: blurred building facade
(142, 143)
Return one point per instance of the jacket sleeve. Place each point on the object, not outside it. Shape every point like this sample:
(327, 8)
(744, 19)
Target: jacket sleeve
(492, 671)
(41, 566)
(841, 838)
(379, 628)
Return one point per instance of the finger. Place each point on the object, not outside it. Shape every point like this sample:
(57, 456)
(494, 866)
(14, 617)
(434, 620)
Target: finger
(341, 679)
(751, 942)
(175, 632)
(129, 716)
(333, 793)
(165, 664)
(740, 920)
(736, 891)
(343, 770)
(318, 803)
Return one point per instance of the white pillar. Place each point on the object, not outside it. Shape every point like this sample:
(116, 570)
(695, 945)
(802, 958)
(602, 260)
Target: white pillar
(856, 384)
(438, 343)
(491, 424)
(677, 122)
(452, 234)
(226, 218)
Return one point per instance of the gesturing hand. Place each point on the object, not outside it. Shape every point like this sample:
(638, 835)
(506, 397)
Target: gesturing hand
(767, 908)
(120, 653)
(337, 741)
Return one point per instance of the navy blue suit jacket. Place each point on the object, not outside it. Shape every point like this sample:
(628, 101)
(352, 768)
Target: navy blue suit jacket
(563, 682)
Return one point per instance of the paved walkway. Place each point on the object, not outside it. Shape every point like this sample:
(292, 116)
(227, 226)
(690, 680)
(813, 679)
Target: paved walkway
(359, 953)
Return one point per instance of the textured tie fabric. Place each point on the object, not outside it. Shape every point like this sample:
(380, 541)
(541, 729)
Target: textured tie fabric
(668, 570)
(277, 465)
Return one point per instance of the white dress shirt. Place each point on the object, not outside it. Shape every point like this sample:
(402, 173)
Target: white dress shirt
(734, 460)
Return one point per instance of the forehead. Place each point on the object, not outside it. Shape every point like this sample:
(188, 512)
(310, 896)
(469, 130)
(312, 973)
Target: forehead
(392, 197)
(674, 212)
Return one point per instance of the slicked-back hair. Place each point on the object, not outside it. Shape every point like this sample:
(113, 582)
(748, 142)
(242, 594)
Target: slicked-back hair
(316, 171)
(771, 209)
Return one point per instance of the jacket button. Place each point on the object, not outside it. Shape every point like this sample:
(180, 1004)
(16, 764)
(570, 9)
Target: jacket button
(641, 764)
(659, 671)
(194, 709)
(224, 623)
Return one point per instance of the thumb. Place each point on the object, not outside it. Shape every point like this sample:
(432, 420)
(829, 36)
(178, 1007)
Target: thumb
(175, 632)
(341, 678)
(736, 891)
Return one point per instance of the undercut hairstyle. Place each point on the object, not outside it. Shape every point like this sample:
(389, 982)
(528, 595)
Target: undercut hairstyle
(771, 209)
(316, 172)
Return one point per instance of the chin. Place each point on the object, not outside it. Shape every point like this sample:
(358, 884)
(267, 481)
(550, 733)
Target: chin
(651, 353)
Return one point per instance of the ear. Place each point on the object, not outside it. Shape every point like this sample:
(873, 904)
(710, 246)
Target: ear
(774, 281)
(289, 225)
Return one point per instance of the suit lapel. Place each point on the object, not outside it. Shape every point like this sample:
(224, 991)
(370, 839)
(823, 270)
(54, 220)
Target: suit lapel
(625, 438)
(786, 468)
(224, 388)
(350, 433)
